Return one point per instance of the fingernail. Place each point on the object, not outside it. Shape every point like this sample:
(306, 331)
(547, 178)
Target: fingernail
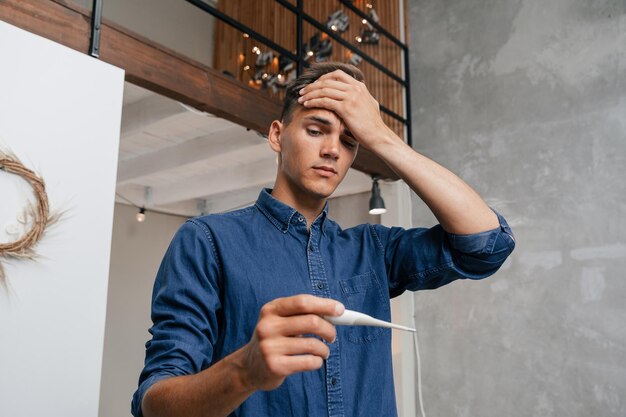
(301, 91)
(300, 100)
(339, 309)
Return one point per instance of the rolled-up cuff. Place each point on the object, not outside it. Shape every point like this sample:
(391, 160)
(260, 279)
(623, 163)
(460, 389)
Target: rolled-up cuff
(485, 243)
(135, 406)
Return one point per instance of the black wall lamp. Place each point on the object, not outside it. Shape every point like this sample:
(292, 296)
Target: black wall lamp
(377, 204)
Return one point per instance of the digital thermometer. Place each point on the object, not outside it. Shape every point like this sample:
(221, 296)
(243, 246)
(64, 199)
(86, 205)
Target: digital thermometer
(354, 318)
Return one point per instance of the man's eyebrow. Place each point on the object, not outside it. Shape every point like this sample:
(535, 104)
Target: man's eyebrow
(320, 120)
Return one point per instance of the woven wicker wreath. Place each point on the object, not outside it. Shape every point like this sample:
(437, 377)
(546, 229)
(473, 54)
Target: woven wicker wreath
(37, 214)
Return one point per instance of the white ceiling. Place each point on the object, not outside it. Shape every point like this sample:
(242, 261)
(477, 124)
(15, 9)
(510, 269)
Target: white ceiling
(178, 160)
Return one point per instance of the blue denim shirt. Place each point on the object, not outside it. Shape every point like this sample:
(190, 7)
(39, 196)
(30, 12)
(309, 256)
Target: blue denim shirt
(221, 269)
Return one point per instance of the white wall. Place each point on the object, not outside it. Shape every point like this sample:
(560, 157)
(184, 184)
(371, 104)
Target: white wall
(60, 112)
(136, 253)
(397, 196)
(351, 210)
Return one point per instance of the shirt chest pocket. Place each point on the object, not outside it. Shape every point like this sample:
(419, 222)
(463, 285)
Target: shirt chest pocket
(364, 293)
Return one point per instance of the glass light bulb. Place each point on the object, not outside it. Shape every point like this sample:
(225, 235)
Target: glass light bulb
(141, 216)
(378, 211)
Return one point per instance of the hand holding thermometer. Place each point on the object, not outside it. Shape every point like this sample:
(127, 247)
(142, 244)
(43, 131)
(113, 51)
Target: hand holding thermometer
(354, 318)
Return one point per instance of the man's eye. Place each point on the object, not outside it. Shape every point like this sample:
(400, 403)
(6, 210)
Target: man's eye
(348, 144)
(314, 132)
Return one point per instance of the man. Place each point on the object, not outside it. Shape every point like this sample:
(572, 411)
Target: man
(239, 298)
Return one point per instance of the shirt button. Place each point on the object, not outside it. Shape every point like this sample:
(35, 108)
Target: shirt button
(300, 219)
(320, 285)
(333, 381)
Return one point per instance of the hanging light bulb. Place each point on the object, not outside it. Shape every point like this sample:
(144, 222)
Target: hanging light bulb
(355, 59)
(377, 204)
(338, 21)
(141, 216)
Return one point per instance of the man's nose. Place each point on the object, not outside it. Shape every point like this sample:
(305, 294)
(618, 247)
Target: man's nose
(330, 147)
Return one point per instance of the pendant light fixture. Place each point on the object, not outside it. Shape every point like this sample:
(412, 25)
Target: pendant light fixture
(141, 215)
(377, 204)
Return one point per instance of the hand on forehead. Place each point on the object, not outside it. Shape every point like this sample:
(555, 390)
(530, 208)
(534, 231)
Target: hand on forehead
(350, 100)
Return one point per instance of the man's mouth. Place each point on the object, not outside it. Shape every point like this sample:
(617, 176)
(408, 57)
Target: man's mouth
(325, 170)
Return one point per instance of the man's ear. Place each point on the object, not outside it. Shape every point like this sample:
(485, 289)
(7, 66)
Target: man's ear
(274, 137)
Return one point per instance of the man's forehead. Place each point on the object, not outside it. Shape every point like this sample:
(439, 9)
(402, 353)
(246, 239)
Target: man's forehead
(320, 115)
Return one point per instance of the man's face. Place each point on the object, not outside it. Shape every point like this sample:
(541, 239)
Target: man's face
(316, 151)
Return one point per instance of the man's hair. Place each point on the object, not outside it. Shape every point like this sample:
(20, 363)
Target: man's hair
(309, 76)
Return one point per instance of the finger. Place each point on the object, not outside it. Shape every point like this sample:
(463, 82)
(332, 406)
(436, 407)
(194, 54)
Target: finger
(307, 324)
(297, 346)
(304, 304)
(327, 83)
(300, 363)
(324, 103)
(339, 75)
(323, 92)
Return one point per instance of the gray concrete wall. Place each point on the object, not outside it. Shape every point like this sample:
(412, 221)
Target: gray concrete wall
(526, 100)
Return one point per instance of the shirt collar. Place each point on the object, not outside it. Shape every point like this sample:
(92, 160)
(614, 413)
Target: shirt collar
(280, 214)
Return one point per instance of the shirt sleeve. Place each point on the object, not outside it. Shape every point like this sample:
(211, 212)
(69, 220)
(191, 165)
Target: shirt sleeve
(185, 308)
(423, 259)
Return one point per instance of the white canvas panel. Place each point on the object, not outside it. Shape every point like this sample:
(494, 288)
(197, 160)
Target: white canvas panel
(60, 112)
